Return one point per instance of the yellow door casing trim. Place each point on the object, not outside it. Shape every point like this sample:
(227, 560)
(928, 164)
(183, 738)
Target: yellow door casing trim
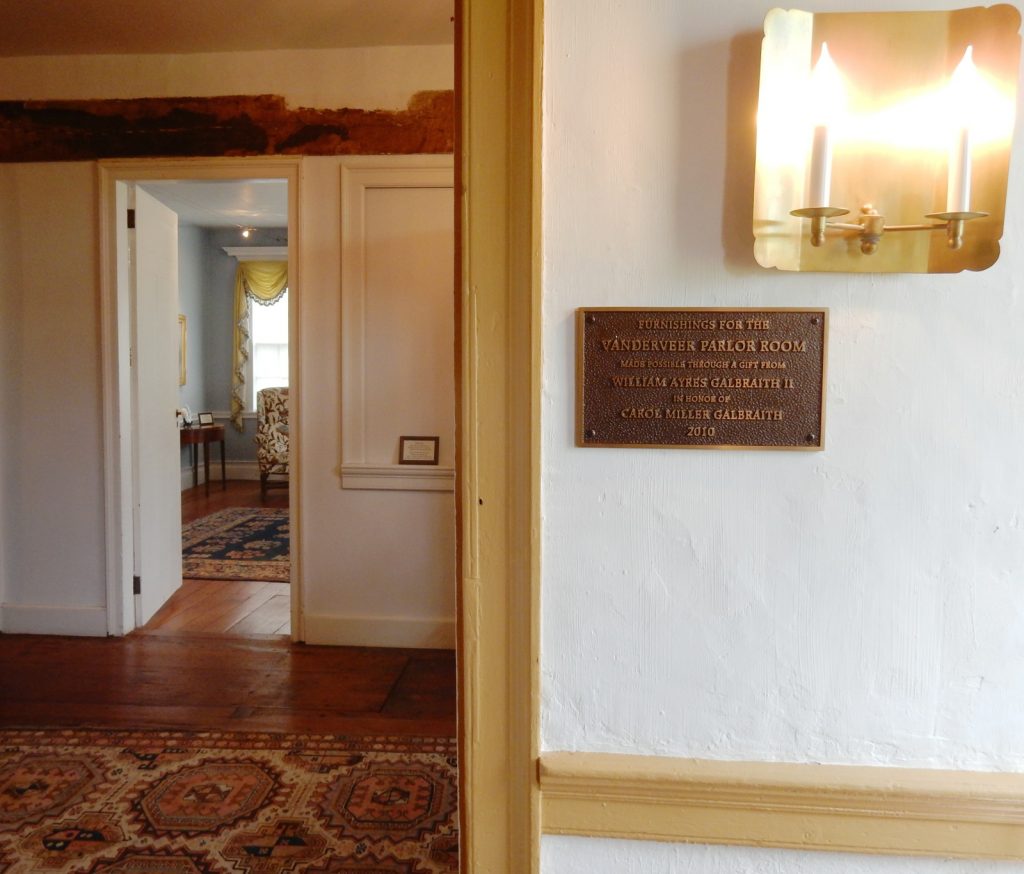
(498, 55)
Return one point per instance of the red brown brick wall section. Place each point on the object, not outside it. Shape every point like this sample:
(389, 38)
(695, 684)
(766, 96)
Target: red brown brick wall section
(151, 127)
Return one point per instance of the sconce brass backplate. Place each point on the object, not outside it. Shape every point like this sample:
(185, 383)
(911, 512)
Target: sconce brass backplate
(891, 152)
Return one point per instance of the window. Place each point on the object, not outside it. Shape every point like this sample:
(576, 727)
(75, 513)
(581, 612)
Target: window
(268, 346)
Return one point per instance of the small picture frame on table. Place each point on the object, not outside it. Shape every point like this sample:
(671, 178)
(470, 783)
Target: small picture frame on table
(418, 450)
(205, 419)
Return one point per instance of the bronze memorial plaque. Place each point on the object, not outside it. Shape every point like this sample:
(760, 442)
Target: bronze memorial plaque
(701, 378)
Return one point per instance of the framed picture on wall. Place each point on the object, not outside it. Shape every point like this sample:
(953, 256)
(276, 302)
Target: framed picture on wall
(182, 340)
(418, 450)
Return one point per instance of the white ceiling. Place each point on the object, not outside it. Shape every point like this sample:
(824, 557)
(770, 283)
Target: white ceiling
(257, 203)
(51, 27)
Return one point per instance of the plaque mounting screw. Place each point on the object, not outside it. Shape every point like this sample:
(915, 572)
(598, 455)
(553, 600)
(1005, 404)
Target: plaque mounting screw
(814, 321)
(591, 432)
(811, 438)
(591, 318)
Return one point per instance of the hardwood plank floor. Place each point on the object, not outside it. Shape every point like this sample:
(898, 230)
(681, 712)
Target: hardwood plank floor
(211, 682)
(226, 606)
(195, 503)
(217, 657)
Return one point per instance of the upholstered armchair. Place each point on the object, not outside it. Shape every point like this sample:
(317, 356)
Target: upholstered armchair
(272, 438)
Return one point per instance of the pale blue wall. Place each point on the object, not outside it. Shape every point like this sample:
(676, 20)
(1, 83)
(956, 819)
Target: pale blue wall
(190, 304)
(10, 360)
(219, 291)
(206, 276)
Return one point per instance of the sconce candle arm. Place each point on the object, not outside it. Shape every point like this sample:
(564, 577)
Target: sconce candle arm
(931, 226)
(846, 226)
(872, 226)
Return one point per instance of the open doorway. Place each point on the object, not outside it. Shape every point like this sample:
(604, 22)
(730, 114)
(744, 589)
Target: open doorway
(372, 534)
(233, 391)
(205, 547)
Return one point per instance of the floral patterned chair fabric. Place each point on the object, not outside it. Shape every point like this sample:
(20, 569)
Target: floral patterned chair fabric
(272, 437)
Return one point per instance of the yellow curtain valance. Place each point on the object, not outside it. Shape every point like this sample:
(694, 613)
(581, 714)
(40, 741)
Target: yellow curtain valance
(263, 282)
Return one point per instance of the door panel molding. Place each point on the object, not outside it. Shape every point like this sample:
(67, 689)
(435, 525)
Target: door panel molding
(361, 255)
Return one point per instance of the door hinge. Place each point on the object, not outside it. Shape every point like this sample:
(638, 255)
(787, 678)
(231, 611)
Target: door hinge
(131, 219)
(136, 585)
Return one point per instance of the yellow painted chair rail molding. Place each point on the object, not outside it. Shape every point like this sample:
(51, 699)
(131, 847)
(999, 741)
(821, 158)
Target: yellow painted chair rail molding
(965, 814)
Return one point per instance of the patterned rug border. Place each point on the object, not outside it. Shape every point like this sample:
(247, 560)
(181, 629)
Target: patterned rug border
(276, 570)
(222, 520)
(227, 740)
(163, 801)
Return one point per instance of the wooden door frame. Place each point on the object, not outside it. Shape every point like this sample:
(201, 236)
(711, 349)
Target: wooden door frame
(498, 76)
(117, 483)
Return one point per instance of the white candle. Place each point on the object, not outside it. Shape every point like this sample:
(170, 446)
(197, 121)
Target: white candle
(962, 96)
(821, 166)
(958, 188)
(826, 98)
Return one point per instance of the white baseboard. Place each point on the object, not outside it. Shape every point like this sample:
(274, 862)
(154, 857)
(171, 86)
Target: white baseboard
(389, 631)
(233, 470)
(37, 619)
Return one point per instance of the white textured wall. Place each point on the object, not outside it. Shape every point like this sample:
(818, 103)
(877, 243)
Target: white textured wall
(53, 481)
(566, 855)
(361, 78)
(859, 605)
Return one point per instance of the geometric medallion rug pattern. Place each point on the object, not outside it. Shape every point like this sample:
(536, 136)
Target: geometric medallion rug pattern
(178, 802)
(241, 543)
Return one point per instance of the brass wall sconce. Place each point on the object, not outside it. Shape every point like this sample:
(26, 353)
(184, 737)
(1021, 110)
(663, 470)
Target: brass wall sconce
(898, 114)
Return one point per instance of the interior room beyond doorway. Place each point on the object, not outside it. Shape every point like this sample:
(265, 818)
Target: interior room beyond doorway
(232, 406)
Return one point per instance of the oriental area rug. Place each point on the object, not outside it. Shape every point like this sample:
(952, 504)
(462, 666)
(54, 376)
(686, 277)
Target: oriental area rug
(241, 543)
(175, 802)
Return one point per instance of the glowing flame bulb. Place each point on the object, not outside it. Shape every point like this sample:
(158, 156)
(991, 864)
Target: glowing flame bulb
(963, 91)
(964, 87)
(828, 93)
(826, 102)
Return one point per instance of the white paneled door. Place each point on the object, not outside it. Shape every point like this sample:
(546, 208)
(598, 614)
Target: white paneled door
(155, 396)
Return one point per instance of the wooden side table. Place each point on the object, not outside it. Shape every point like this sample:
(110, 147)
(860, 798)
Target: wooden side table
(204, 436)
